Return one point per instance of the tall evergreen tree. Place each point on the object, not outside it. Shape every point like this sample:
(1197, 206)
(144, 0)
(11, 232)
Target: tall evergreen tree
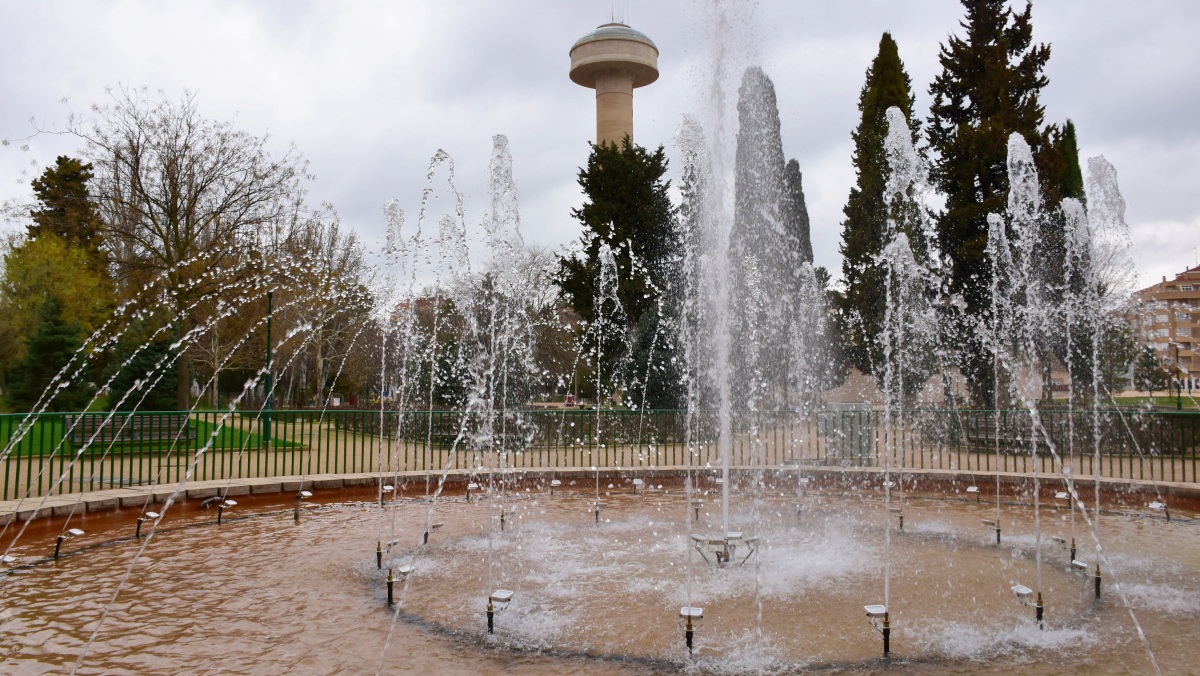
(49, 349)
(795, 213)
(861, 309)
(65, 208)
(627, 206)
(774, 292)
(988, 89)
(629, 211)
(1072, 177)
(758, 217)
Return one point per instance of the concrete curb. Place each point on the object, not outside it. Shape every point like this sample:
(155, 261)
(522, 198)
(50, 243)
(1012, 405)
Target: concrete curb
(854, 478)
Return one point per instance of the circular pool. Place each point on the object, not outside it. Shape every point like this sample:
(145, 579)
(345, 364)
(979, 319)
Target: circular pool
(261, 594)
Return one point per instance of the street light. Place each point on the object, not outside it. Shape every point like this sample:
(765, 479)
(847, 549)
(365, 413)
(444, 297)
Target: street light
(1178, 382)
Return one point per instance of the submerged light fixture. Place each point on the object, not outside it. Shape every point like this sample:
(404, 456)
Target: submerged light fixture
(300, 496)
(1025, 597)
(72, 533)
(148, 516)
(995, 525)
(1161, 507)
(432, 527)
(222, 506)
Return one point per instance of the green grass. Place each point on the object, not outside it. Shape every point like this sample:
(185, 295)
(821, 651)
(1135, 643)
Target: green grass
(48, 431)
(41, 439)
(1162, 401)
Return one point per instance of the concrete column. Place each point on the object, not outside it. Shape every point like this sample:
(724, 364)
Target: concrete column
(614, 107)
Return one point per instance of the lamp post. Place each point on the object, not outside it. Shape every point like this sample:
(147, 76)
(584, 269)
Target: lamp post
(266, 435)
(1178, 382)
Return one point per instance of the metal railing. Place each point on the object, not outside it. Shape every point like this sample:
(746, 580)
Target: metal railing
(67, 453)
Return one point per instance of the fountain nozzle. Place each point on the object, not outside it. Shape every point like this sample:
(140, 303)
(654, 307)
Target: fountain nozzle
(391, 582)
(501, 597)
(876, 613)
(691, 620)
(1097, 580)
(887, 634)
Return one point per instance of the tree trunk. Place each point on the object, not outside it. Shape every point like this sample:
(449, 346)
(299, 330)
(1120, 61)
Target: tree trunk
(183, 383)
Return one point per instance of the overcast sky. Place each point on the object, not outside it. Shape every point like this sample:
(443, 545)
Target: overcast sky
(369, 91)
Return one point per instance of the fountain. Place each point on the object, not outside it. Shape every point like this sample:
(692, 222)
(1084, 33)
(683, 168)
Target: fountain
(770, 545)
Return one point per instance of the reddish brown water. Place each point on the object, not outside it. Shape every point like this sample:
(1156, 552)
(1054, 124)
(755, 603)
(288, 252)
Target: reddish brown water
(263, 595)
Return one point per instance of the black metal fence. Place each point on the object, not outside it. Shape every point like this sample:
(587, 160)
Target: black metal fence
(71, 452)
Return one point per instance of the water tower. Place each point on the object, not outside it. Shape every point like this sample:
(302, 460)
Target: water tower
(613, 60)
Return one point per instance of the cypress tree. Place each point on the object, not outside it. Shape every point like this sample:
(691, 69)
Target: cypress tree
(1072, 178)
(758, 170)
(795, 213)
(861, 309)
(988, 89)
(770, 250)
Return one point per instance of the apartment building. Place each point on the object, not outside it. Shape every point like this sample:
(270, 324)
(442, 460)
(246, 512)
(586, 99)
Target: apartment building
(1169, 320)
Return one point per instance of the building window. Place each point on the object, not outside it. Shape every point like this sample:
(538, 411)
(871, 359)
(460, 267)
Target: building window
(1181, 316)
(1185, 287)
(1183, 332)
(1161, 319)
(1162, 333)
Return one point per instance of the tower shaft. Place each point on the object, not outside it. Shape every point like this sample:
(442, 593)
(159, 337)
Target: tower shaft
(614, 107)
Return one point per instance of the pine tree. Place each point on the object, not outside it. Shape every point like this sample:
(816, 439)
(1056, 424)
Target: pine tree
(66, 209)
(49, 349)
(628, 206)
(861, 309)
(988, 89)
(151, 377)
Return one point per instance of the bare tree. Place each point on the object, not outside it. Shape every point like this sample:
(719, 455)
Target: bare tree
(185, 200)
(327, 295)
